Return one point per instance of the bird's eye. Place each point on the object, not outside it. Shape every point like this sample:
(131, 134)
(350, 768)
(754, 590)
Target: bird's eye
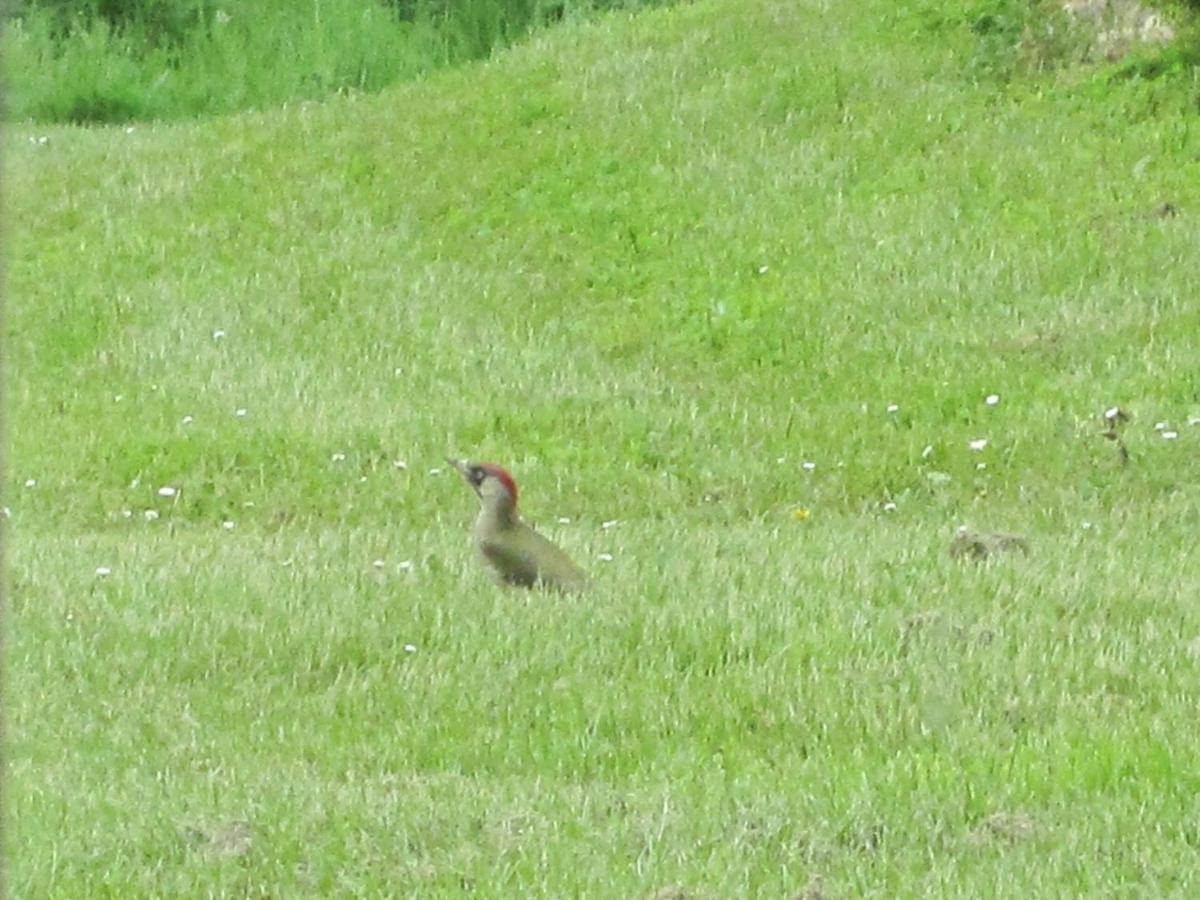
(477, 474)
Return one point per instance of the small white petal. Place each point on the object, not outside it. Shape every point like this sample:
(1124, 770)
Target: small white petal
(435, 471)
(103, 570)
(338, 457)
(240, 413)
(228, 525)
(981, 465)
(378, 564)
(287, 562)
(397, 371)
(405, 566)
(564, 520)
(1170, 435)
(186, 420)
(1087, 525)
(889, 506)
(400, 464)
(780, 460)
(893, 407)
(134, 483)
(151, 515)
(118, 398)
(249, 504)
(6, 512)
(927, 452)
(609, 524)
(126, 513)
(808, 466)
(30, 482)
(410, 648)
(978, 444)
(605, 557)
(991, 399)
(1112, 412)
(763, 270)
(218, 334)
(167, 491)
(129, 129)
(1159, 426)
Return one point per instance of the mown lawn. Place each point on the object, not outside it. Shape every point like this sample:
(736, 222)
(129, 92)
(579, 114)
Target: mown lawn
(655, 265)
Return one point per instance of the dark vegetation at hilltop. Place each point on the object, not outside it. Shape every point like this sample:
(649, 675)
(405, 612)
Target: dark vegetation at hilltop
(122, 60)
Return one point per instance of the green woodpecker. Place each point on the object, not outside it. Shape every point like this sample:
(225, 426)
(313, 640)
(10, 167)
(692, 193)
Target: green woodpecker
(514, 553)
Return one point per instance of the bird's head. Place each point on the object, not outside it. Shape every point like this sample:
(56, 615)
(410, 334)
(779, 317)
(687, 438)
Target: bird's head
(491, 482)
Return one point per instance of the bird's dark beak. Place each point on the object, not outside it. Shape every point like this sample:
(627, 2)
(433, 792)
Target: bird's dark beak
(464, 470)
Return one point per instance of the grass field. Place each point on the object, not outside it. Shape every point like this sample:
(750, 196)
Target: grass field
(654, 264)
(115, 61)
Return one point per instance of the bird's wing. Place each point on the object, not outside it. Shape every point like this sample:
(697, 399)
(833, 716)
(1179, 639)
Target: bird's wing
(554, 566)
(513, 564)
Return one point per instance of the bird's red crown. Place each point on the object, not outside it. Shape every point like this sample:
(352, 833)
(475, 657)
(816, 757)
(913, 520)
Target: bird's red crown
(505, 479)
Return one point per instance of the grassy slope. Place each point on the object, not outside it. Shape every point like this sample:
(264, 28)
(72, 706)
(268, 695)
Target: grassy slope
(640, 262)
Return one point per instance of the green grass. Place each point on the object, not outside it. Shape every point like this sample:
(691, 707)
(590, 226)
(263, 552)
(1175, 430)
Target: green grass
(178, 59)
(653, 264)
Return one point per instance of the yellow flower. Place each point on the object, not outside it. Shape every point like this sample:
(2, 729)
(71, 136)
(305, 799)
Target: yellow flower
(800, 513)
